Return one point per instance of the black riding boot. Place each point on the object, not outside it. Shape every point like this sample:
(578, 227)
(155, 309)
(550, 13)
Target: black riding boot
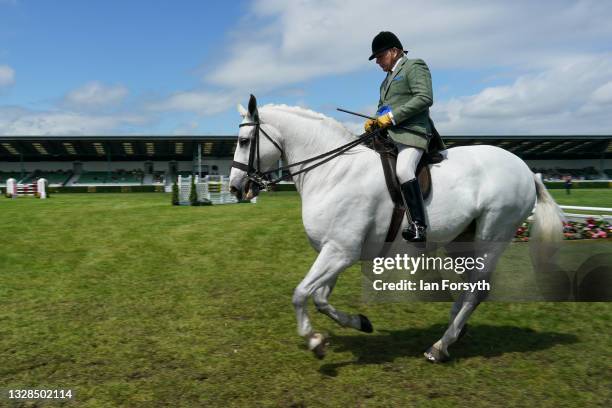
(411, 191)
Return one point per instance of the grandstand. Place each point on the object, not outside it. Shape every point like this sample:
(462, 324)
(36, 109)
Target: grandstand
(120, 177)
(158, 160)
(10, 174)
(57, 178)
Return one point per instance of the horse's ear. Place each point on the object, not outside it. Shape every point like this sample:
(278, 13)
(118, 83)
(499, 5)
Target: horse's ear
(253, 108)
(242, 111)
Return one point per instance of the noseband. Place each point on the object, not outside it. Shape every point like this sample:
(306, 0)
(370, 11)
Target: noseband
(261, 179)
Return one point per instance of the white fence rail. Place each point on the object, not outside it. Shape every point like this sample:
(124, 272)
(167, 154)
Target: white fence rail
(603, 213)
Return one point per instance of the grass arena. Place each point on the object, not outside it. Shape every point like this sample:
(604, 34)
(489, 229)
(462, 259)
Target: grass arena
(130, 301)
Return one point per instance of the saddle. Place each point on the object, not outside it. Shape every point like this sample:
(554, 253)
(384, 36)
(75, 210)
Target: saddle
(388, 158)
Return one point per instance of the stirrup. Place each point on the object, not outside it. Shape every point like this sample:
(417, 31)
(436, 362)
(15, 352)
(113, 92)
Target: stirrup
(414, 233)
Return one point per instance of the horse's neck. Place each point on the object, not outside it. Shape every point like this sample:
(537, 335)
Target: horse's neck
(304, 138)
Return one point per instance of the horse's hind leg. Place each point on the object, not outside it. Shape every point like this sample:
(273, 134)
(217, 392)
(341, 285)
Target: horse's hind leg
(460, 313)
(323, 272)
(462, 246)
(321, 301)
(493, 234)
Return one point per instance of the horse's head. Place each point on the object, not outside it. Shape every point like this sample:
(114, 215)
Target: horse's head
(257, 150)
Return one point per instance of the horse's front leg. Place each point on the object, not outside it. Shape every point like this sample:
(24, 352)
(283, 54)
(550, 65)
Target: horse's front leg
(324, 271)
(321, 301)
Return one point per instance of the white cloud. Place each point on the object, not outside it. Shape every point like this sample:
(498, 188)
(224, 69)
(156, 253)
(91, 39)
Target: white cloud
(95, 95)
(355, 123)
(546, 46)
(569, 98)
(542, 45)
(19, 121)
(7, 75)
(282, 42)
(187, 128)
(354, 127)
(200, 102)
(603, 94)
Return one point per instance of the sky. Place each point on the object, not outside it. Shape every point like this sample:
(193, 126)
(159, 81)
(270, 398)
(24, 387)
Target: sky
(71, 67)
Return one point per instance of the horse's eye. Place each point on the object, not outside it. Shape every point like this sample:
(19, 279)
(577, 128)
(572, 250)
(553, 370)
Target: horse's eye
(243, 142)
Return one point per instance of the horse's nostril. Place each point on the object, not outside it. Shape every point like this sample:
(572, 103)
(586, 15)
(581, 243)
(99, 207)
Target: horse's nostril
(236, 192)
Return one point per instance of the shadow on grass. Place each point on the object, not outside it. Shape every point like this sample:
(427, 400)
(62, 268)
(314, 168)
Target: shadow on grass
(480, 341)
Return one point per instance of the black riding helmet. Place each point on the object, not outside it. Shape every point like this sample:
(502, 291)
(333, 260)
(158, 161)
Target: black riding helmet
(384, 41)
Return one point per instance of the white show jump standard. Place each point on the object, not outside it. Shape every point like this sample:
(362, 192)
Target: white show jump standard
(215, 189)
(346, 207)
(212, 188)
(38, 188)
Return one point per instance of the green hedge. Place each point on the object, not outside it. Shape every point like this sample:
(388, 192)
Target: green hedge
(578, 184)
(284, 187)
(278, 187)
(107, 189)
(549, 184)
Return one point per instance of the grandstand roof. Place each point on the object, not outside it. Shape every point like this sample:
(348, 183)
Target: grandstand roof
(150, 147)
(116, 148)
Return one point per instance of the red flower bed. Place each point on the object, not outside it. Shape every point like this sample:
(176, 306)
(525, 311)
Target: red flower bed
(588, 229)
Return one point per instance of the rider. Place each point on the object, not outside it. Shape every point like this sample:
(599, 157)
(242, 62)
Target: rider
(403, 108)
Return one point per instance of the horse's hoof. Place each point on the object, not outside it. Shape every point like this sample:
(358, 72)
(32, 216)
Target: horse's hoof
(319, 351)
(318, 344)
(365, 325)
(434, 355)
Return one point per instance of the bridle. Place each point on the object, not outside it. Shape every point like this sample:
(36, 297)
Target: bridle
(254, 173)
(262, 179)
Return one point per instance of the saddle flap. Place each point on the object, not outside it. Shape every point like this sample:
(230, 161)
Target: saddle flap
(424, 177)
(388, 160)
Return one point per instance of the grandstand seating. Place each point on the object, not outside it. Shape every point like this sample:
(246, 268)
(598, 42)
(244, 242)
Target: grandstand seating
(7, 175)
(53, 177)
(159, 177)
(102, 177)
(182, 174)
(92, 177)
(27, 179)
(56, 178)
(125, 177)
(586, 173)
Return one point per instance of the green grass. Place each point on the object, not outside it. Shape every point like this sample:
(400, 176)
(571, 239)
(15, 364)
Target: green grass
(594, 197)
(132, 302)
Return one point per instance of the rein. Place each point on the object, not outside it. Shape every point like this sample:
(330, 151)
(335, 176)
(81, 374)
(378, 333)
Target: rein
(255, 175)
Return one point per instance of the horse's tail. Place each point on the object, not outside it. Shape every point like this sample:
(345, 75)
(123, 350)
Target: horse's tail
(548, 217)
(547, 228)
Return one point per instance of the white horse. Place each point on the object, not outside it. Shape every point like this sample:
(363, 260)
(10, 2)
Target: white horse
(346, 206)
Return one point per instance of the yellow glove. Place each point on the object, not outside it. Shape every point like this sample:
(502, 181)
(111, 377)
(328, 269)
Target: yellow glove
(370, 125)
(384, 121)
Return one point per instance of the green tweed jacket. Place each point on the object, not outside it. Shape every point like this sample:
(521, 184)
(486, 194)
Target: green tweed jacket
(409, 94)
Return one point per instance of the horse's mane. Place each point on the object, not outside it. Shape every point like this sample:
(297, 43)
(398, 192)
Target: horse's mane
(307, 114)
